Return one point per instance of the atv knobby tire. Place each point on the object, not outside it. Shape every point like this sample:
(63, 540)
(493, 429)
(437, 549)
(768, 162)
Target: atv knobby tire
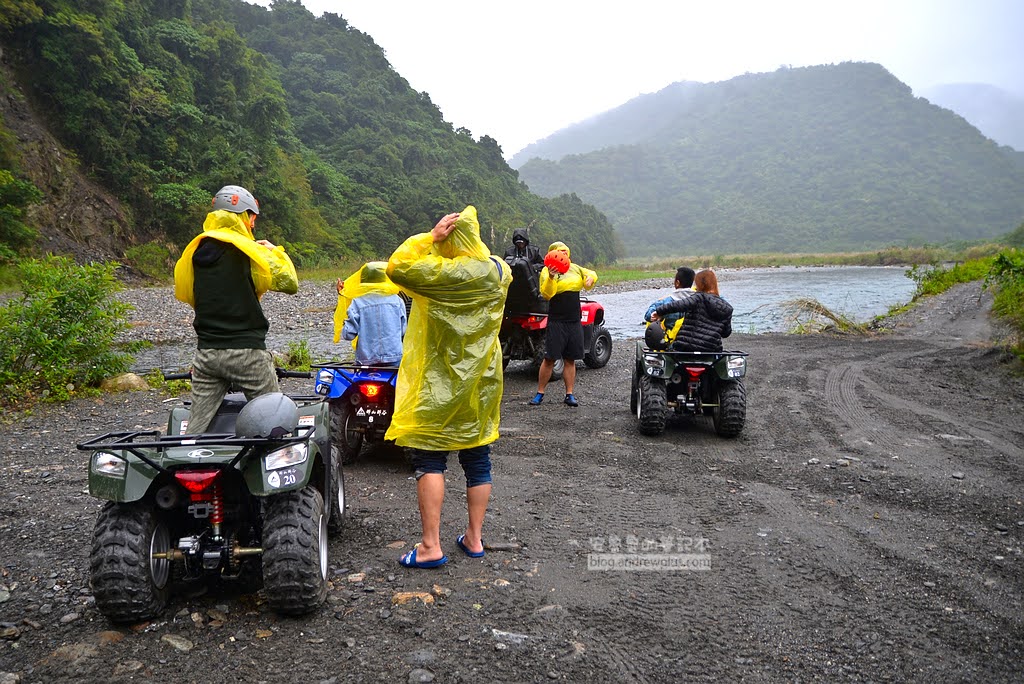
(731, 412)
(127, 583)
(348, 440)
(600, 349)
(295, 551)
(337, 492)
(653, 406)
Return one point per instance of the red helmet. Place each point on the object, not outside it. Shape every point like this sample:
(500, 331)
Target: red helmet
(557, 260)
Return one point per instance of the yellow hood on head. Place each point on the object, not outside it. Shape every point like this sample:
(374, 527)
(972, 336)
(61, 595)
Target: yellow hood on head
(371, 278)
(464, 240)
(560, 246)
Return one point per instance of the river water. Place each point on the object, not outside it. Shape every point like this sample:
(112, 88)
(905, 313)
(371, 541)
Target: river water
(759, 296)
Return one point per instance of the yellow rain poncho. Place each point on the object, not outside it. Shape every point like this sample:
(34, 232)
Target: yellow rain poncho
(450, 381)
(371, 278)
(271, 269)
(573, 280)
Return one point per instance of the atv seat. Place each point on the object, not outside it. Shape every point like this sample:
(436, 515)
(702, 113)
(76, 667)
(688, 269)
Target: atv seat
(524, 291)
(227, 414)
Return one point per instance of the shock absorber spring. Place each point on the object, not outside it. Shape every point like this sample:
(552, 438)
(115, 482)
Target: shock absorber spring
(216, 509)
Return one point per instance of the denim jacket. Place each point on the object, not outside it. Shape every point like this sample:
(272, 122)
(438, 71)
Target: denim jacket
(377, 323)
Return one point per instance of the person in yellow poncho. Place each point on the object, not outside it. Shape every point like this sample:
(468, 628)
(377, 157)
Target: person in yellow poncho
(222, 274)
(560, 283)
(450, 382)
(371, 314)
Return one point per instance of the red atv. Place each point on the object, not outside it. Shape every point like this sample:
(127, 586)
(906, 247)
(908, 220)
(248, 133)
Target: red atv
(522, 337)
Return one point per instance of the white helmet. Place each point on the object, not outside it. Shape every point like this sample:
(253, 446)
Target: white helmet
(268, 415)
(235, 198)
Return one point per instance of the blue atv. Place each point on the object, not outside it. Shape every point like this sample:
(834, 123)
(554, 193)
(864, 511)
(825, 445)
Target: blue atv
(362, 401)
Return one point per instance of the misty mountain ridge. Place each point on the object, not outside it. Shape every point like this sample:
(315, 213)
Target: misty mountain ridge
(995, 112)
(826, 158)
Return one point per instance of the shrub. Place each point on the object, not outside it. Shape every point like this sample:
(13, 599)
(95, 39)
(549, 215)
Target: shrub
(60, 335)
(936, 279)
(297, 356)
(1007, 279)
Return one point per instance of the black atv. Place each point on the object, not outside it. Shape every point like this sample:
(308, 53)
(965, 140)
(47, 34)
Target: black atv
(667, 383)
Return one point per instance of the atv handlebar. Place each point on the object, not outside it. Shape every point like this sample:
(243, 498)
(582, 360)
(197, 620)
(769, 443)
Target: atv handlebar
(187, 375)
(281, 373)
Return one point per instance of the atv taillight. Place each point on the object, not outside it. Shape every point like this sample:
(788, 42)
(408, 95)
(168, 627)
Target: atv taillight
(695, 372)
(196, 481)
(371, 390)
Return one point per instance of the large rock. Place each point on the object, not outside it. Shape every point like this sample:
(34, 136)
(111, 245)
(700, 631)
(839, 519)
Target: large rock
(126, 382)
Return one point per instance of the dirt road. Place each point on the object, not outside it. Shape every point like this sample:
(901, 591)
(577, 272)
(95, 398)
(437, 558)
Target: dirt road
(866, 526)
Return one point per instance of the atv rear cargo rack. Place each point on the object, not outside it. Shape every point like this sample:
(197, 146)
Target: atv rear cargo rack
(133, 442)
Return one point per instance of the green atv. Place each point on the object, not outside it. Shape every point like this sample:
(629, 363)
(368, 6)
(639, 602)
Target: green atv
(667, 383)
(248, 503)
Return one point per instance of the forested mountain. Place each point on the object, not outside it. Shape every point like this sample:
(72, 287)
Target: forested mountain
(160, 102)
(839, 157)
(995, 112)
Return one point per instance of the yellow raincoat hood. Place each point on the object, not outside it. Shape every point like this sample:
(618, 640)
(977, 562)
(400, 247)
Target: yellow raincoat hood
(372, 278)
(560, 246)
(271, 269)
(450, 381)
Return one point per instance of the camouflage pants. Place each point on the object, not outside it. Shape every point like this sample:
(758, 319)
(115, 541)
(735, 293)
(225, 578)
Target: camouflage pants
(214, 371)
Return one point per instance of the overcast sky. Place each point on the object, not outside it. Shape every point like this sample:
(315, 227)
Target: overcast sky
(520, 70)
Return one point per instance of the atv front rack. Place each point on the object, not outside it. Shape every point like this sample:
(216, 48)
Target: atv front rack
(134, 441)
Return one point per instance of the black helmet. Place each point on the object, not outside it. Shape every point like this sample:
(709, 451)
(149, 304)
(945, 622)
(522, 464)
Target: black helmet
(268, 415)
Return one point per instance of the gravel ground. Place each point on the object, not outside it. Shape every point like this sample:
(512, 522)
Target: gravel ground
(866, 526)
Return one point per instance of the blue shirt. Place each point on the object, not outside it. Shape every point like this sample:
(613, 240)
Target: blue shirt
(379, 322)
(671, 319)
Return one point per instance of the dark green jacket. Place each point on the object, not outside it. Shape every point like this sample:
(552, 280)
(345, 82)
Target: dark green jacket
(228, 312)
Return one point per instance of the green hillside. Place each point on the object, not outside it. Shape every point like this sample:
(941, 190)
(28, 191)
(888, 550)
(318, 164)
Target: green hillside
(824, 158)
(161, 102)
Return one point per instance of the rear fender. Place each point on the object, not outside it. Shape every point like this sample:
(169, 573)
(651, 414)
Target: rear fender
(133, 486)
(731, 366)
(591, 313)
(656, 364)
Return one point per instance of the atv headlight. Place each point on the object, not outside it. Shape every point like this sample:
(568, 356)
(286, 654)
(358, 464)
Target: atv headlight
(654, 361)
(737, 366)
(293, 454)
(324, 380)
(108, 464)
(655, 365)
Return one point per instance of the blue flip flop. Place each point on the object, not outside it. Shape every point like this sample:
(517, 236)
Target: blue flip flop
(409, 560)
(465, 549)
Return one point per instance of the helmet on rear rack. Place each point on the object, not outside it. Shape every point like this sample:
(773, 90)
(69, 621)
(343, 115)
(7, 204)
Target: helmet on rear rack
(236, 199)
(268, 415)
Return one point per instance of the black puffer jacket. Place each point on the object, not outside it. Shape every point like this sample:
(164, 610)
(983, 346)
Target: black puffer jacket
(708, 318)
